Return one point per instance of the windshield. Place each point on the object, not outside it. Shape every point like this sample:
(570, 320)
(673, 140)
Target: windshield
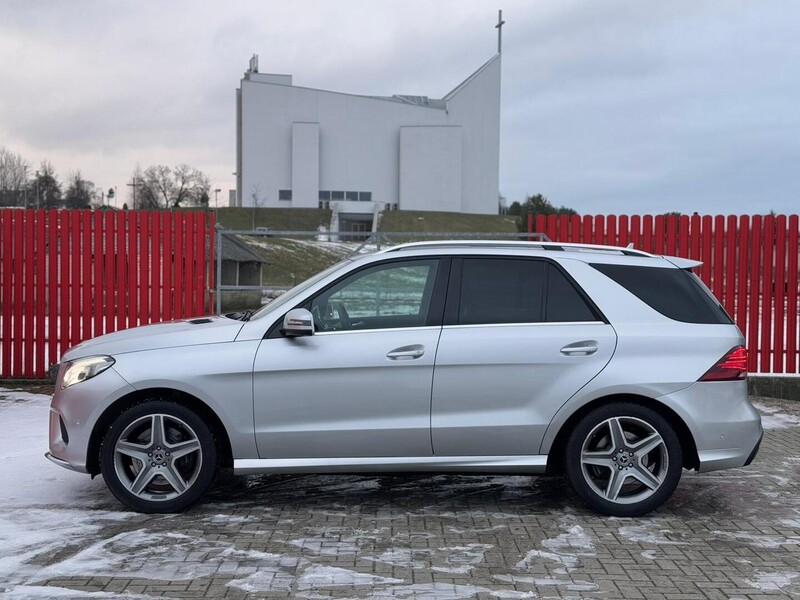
(291, 294)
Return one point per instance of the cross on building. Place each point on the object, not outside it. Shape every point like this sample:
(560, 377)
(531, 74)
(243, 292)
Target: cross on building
(499, 28)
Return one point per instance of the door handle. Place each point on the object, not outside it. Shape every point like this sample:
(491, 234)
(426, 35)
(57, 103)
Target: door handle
(582, 348)
(406, 352)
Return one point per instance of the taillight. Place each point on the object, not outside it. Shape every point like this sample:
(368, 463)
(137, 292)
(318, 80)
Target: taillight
(730, 367)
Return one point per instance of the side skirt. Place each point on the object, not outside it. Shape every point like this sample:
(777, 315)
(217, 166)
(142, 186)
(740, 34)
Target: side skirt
(534, 464)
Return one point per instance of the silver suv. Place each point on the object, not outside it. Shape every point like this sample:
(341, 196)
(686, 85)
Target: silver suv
(614, 366)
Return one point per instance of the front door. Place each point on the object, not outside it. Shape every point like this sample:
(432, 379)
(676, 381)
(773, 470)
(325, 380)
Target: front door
(361, 385)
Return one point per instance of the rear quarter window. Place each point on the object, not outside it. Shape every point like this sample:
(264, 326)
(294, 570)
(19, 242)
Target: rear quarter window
(675, 293)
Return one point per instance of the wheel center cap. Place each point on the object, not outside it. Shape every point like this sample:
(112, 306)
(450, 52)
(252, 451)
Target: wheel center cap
(158, 456)
(623, 458)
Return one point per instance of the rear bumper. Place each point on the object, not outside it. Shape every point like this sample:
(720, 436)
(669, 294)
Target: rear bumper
(726, 428)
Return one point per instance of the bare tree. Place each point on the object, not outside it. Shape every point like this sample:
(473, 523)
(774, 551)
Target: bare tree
(13, 177)
(162, 187)
(258, 200)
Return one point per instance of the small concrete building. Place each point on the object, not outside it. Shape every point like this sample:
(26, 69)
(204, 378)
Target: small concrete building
(359, 155)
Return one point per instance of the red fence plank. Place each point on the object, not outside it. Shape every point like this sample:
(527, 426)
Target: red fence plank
(53, 220)
(155, 267)
(212, 272)
(110, 271)
(753, 320)
(7, 308)
(145, 268)
(742, 272)
(168, 283)
(188, 266)
(97, 260)
(729, 301)
(767, 290)
(119, 283)
(780, 294)
(40, 349)
(792, 342)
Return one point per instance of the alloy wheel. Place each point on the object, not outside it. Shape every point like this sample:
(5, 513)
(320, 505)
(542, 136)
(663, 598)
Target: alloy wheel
(158, 457)
(624, 460)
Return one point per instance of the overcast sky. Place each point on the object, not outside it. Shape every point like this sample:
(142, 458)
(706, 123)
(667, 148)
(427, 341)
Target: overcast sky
(607, 106)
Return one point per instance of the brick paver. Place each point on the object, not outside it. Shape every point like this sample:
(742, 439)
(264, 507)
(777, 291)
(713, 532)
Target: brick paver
(732, 534)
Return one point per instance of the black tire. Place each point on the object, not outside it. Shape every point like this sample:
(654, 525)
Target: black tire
(182, 427)
(593, 434)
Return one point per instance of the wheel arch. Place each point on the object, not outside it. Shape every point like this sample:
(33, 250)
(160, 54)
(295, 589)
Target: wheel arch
(185, 399)
(555, 456)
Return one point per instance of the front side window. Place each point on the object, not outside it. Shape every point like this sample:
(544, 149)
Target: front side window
(385, 296)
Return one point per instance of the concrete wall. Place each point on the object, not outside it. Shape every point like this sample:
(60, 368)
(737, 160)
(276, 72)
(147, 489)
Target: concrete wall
(359, 144)
(430, 168)
(305, 165)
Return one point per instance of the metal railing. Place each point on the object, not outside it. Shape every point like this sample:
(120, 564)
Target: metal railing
(353, 242)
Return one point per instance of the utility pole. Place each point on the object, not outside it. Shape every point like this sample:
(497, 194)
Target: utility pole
(38, 205)
(216, 197)
(136, 183)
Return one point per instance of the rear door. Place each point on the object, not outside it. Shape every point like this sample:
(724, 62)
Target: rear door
(519, 339)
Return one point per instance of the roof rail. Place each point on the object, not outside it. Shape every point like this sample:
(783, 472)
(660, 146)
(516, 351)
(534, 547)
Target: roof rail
(551, 246)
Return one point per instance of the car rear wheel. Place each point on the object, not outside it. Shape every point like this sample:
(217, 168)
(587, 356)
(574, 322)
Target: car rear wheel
(624, 459)
(158, 456)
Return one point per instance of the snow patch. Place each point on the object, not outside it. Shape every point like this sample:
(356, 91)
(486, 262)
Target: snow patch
(573, 586)
(24, 592)
(772, 419)
(646, 534)
(565, 548)
(320, 576)
(759, 541)
(462, 559)
(772, 582)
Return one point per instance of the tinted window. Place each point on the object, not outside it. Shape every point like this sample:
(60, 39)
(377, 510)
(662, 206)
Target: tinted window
(564, 303)
(390, 295)
(673, 292)
(501, 291)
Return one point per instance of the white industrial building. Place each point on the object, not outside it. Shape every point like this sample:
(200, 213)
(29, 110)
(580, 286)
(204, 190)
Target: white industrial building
(305, 148)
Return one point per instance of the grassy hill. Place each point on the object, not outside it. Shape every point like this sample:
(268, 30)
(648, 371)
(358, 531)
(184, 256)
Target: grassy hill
(281, 219)
(292, 260)
(423, 221)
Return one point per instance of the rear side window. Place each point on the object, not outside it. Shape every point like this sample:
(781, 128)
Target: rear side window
(674, 293)
(499, 290)
(564, 303)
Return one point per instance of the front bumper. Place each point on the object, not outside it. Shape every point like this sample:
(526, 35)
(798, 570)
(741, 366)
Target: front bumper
(61, 463)
(726, 428)
(74, 412)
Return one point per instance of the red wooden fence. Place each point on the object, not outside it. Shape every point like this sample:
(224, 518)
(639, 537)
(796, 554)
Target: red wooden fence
(69, 275)
(750, 263)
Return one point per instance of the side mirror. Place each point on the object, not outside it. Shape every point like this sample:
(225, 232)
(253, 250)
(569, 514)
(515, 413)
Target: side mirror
(297, 322)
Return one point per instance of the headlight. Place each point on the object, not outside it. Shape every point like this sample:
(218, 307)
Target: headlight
(84, 368)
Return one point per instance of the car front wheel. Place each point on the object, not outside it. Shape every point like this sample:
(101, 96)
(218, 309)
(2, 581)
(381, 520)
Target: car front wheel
(158, 456)
(624, 459)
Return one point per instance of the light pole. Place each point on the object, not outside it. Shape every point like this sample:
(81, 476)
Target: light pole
(216, 197)
(37, 190)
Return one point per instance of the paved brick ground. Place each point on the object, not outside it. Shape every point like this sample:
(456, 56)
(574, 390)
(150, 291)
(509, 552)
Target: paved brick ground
(733, 534)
